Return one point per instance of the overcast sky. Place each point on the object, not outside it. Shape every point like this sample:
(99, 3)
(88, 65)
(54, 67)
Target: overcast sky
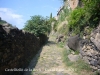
(17, 12)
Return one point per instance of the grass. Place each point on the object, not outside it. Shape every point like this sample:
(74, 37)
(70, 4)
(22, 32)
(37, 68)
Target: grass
(80, 66)
(61, 44)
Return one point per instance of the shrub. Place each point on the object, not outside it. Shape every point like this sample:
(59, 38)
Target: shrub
(88, 15)
(38, 25)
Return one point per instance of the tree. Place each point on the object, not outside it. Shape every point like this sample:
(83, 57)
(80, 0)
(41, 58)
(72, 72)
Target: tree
(51, 16)
(38, 25)
(0, 18)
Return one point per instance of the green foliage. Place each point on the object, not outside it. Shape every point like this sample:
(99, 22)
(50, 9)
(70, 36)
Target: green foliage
(65, 12)
(64, 0)
(75, 20)
(63, 29)
(51, 16)
(38, 25)
(62, 18)
(2, 21)
(88, 15)
(55, 25)
(78, 66)
(61, 44)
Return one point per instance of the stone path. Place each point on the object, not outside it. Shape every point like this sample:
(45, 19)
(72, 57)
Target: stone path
(49, 61)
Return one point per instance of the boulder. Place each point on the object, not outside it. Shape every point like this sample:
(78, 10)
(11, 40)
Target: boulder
(60, 38)
(74, 42)
(73, 58)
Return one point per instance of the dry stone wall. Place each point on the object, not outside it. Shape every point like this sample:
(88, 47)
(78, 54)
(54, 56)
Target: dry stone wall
(91, 50)
(89, 47)
(17, 47)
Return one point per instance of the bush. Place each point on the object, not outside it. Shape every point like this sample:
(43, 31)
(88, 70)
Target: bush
(38, 25)
(88, 15)
(65, 12)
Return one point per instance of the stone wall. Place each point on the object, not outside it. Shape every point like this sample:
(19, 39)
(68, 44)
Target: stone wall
(88, 46)
(17, 48)
(91, 55)
(91, 50)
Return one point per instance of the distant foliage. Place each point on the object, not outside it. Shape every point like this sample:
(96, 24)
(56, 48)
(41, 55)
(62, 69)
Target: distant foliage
(64, 0)
(38, 25)
(2, 21)
(51, 16)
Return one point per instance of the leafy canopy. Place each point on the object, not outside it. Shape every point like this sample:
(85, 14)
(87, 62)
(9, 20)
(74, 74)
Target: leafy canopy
(38, 25)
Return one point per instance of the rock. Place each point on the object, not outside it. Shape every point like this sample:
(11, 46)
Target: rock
(96, 43)
(86, 59)
(93, 62)
(97, 37)
(89, 47)
(88, 53)
(73, 58)
(98, 62)
(84, 42)
(82, 53)
(60, 38)
(66, 47)
(6, 25)
(94, 68)
(98, 66)
(74, 43)
(89, 58)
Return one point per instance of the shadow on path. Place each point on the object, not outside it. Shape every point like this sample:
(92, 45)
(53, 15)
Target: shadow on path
(34, 61)
(51, 42)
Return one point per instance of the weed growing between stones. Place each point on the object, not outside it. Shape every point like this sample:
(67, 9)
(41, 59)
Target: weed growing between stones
(80, 67)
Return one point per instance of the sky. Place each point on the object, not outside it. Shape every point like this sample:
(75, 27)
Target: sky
(17, 12)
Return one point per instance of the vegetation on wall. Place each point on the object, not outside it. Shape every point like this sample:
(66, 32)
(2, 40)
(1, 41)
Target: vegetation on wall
(61, 26)
(87, 15)
(63, 14)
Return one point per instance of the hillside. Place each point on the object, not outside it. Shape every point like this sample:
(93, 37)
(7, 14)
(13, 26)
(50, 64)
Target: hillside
(77, 26)
(3, 22)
